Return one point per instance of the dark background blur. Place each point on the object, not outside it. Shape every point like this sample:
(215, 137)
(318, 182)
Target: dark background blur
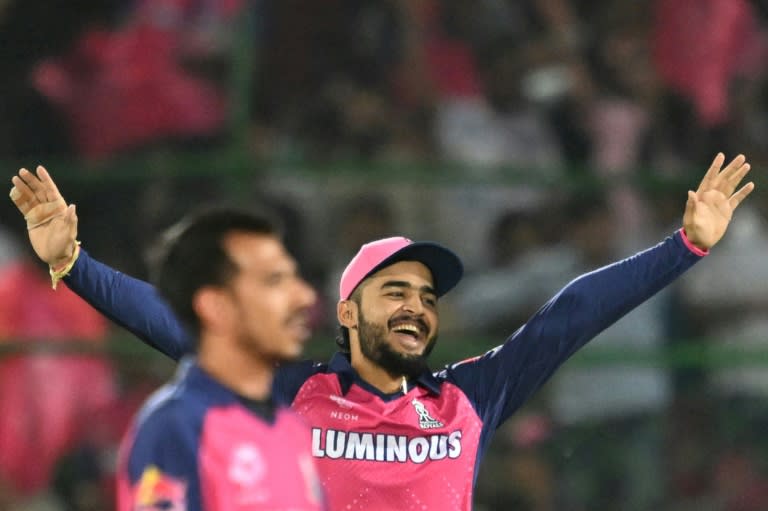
(538, 138)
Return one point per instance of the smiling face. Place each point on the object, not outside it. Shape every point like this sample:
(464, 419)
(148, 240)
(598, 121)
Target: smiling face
(393, 318)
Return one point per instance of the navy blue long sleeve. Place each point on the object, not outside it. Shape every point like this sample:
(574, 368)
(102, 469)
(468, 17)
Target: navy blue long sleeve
(502, 379)
(131, 303)
(499, 381)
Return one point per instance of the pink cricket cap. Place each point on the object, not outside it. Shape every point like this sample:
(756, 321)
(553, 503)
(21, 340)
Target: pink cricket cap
(446, 267)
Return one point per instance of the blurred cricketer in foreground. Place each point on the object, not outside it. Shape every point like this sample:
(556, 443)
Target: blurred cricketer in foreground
(386, 431)
(213, 438)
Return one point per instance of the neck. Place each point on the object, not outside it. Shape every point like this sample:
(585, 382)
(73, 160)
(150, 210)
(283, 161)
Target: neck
(374, 374)
(241, 371)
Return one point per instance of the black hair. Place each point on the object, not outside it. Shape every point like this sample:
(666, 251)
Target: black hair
(191, 255)
(342, 339)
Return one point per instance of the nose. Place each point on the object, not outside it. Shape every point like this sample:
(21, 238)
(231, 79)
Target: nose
(413, 304)
(306, 293)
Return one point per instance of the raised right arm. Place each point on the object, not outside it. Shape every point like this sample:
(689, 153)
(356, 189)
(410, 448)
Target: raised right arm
(131, 303)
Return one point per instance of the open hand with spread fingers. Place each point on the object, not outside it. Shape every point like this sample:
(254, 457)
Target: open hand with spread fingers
(51, 223)
(709, 209)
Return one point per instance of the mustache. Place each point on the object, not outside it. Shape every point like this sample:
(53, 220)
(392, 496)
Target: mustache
(300, 313)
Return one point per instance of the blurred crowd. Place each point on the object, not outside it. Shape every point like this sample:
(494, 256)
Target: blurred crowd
(560, 135)
(541, 84)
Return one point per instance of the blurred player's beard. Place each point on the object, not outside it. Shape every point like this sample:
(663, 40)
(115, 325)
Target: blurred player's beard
(374, 345)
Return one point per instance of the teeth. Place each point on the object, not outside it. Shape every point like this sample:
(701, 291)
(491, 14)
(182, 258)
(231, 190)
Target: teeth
(408, 328)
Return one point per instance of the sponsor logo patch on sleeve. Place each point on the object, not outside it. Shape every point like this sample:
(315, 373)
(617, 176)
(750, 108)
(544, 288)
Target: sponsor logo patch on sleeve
(157, 491)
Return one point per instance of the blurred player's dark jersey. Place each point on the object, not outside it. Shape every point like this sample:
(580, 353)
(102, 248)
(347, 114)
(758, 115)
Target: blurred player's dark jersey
(197, 446)
(419, 448)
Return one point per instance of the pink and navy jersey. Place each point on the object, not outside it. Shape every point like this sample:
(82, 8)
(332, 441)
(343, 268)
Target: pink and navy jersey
(419, 449)
(197, 446)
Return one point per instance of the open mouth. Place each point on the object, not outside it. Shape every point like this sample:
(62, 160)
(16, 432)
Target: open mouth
(299, 326)
(410, 334)
(408, 329)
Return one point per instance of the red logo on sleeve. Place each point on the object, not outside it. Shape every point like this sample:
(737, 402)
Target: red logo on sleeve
(157, 491)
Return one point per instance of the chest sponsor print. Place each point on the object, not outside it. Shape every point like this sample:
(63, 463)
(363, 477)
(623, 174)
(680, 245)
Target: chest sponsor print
(390, 448)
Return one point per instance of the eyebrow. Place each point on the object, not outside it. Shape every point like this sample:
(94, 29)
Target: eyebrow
(402, 283)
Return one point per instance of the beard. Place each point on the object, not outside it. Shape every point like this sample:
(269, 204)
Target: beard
(374, 346)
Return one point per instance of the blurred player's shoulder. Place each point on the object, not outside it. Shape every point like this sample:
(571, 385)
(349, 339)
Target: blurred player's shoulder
(290, 377)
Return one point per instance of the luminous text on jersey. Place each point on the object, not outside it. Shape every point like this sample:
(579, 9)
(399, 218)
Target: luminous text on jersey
(354, 445)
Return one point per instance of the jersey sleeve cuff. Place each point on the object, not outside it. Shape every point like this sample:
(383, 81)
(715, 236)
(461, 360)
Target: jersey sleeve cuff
(693, 248)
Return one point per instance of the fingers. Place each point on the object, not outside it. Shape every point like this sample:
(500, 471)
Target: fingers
(40, 185)
(22, 186)
(735, 164)
(71, 214)
(692, 200)
(71, 218)
(732, 176)
(712, 172)
(727, 179)
(34, 184)
(733, 167)
(717, 164)
(742, 194)
(17, 197)
(51, 190)
(30, 190)
(22, 195)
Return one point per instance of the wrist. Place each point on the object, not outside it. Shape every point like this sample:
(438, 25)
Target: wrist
(62, 269)
(693, 247)
(61, 262)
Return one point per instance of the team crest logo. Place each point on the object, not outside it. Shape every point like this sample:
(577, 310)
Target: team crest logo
(248, 470)
(425, 420)
(157, 491)
(247, 466)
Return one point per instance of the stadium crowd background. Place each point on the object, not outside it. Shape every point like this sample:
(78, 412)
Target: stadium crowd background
(538, 138)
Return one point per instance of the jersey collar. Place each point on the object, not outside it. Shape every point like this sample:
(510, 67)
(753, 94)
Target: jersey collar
(340, 365)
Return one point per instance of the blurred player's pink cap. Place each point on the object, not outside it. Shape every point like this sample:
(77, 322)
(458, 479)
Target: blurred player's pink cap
(446, 267)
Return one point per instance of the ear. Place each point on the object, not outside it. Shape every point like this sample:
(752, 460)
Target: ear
(210, 305)
(346, 313)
